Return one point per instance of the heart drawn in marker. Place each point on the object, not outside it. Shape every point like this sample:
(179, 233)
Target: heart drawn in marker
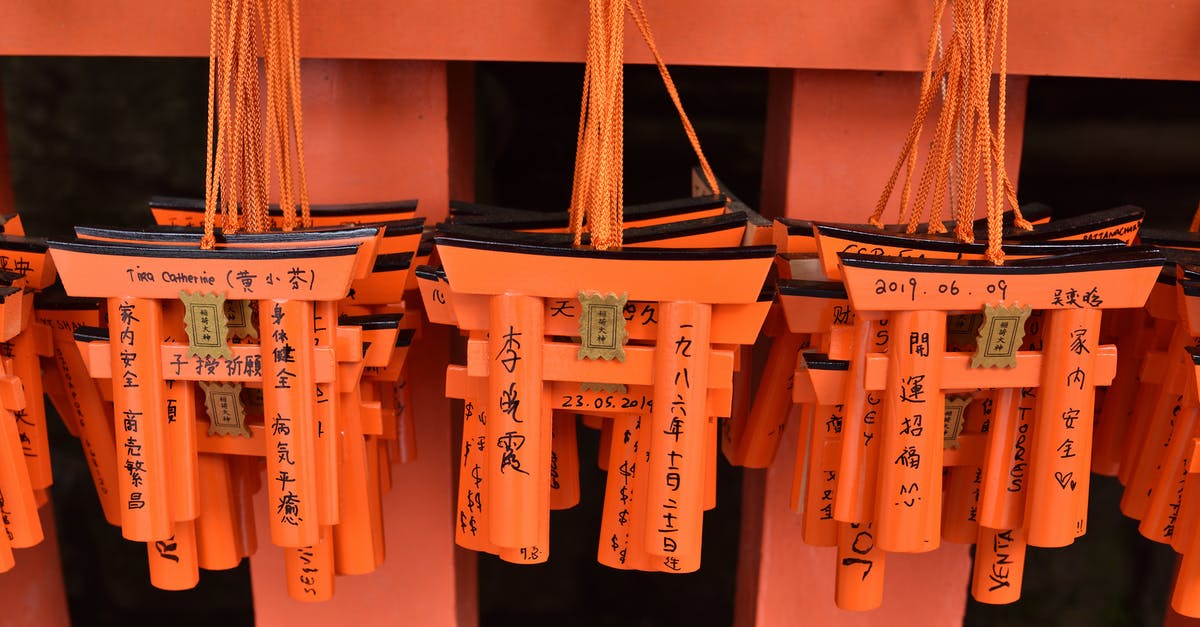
(1065, 479)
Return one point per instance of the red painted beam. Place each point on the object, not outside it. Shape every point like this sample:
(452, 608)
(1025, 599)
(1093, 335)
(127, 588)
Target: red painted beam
(1111, 38)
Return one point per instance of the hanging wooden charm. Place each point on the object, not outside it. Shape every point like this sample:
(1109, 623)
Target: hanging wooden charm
(215, 347)
(634, 325)
(934, 371)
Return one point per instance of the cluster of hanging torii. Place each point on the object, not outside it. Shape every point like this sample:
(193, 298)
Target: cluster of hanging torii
(945, 389)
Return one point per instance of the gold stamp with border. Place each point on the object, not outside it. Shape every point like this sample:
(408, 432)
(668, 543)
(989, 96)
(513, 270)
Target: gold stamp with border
(226, 414)
(1000, 336)
(956, 407)
(206, 325)
(602, 333)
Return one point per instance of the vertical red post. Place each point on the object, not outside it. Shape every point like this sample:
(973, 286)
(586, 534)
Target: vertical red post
(818, 122)
(377, 130)
(33, 590)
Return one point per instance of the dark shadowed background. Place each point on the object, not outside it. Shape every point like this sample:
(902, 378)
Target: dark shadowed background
(92, 139)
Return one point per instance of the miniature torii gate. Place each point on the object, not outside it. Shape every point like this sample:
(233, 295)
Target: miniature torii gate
(396, 82)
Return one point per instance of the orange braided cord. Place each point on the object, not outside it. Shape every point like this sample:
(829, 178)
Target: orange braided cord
(964, 146)
(596, 195)
(638, 11)
(239, 159)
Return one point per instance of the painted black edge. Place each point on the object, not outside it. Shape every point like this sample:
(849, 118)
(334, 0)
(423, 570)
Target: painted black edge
(1167, 275)
(430, 273)
(1032, 212)
(733, 202)
(400, 228)
(372, 322)
(8, 277)
(426, 247)
(510, 245)
(1095, 221)
(1128, 257)
(405, 337)
(767, 293)
(813, 289)
(465, 208)
(1181, 256)
(91, 334)
(920, 241)
(632, 235)
(5, 292)
(507, 218)
(1187, 271)
(192, 234)
(821, 361)
(21, 243)
(365, 208)
(797, 226)
(684, 228)
(1169, 238)
(391, 262)
(1195, 353)
(97, 247)
(1190, 287)
(58, 301)
(476, 213)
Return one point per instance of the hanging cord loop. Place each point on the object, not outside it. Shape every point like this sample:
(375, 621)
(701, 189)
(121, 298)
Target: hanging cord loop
(237, 161)
(964, 146)
(597, 196)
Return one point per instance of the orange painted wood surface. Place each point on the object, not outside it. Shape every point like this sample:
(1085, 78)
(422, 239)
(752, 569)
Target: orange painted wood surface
(32, 593)
(795, 581)
(378, 130)
(1127, 39)
(832, 139)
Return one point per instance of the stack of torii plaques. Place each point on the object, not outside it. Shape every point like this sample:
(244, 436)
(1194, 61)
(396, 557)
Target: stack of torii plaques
(406, 244)
(272, 335)
(895, 329)
(644, 340)
(1147, 431)
(25, 270)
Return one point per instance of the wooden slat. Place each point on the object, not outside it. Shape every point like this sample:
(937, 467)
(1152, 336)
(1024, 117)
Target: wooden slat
(1113, 38)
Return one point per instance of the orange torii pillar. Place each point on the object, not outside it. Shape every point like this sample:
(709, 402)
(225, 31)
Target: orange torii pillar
(33, 590)
(832, 139)
(383, 130)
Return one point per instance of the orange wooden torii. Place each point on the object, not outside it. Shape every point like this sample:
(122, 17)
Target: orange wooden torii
(838, 71)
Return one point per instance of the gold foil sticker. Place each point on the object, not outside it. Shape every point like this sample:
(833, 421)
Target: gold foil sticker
(611, 388)
(206, 325)
(956, 407)
(961, 331)
(226, 415)
(1000, 336)
(602, 332)
(239, 315)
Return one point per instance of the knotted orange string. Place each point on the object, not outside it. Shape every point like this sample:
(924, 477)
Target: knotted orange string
(237, 162)
(597, 196)
(964, 144)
